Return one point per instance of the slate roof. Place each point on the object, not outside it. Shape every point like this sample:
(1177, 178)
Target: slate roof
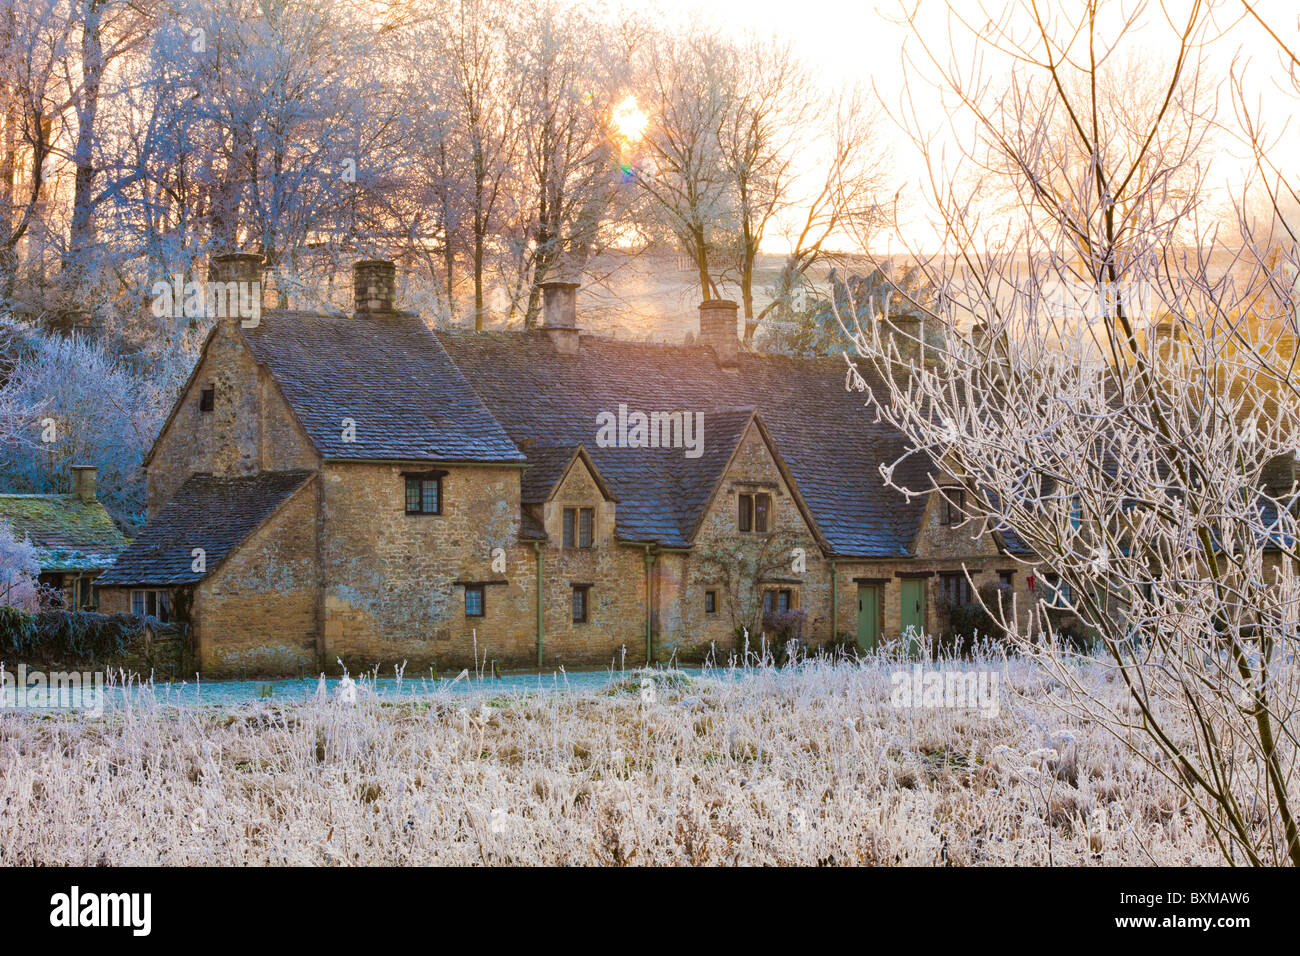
(546, 464)
(831, 444)
(215, 514)
(69, 534)
(389, 375)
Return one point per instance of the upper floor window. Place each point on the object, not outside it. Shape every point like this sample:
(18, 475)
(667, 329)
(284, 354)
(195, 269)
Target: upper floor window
(424, 493)
(579, 527)
(952, 506)
(710, 602)
(207, 398)
(754, 512)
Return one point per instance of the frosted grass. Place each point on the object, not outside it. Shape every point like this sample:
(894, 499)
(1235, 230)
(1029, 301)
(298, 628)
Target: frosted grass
(802, 765)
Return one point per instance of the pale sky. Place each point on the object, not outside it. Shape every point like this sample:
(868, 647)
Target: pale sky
(863, 42)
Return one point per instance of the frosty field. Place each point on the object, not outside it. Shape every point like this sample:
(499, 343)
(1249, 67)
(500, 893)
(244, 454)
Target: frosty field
(805, 765)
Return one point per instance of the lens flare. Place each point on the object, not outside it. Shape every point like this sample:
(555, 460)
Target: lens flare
(629, 120)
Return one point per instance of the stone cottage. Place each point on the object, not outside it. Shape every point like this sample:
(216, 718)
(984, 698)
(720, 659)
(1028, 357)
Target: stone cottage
(74, 536)
(361, 488)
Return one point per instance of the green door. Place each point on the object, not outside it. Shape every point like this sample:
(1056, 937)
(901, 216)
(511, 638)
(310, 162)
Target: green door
(868, 616)
(912, 616)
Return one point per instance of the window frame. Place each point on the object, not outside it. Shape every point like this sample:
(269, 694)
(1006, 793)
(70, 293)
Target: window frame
(586, 528)
(776, 595)
(1056, 591)
(207, 399)
(745, 512)
(569, 528)
(585, 591)
(481, 591)
(421, 478)
(152, 601)
(955, 580)
(952, 506)
(710, 601)
(762, 512)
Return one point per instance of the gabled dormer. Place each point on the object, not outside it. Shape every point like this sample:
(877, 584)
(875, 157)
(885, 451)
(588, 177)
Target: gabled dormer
(563, 490)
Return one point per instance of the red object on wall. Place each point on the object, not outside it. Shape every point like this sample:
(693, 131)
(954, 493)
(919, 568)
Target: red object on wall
(1029, 579)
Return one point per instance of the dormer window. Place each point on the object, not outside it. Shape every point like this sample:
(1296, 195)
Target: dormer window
(423, 492)
(207, 398)
(753, 513)
(579, 527)
(952, 506)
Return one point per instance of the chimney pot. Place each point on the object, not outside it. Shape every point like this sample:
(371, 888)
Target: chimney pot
(374, 287)
(83, 481)
(718, 330)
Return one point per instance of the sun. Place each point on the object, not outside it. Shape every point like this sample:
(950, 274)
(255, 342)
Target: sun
(628, 119)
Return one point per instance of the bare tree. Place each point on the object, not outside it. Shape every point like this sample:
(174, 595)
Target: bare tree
(568, 160)
(34, 35)
(687, 90)
(1102, 397)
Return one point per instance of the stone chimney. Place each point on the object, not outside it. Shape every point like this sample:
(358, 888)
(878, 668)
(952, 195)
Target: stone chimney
(560, 314)
(83, 481)
(718, 331)
(374, 287)
(234, 292)
(235, 267)
(904, 331)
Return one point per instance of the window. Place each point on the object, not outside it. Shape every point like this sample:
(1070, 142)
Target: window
(753, 513)
(424, 494)
(579, 527)
(581, 599)
(207, 399)
(778, 599)
(710, 602)
(955, 588)
(152, 603)
(86, 594)
(1007, 579)
(474, 600)
(52, 585)
(1055, 592)
(951, 505)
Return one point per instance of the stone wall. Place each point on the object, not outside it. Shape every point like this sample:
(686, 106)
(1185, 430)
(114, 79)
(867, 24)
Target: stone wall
(390, 579)
(723, 561)
(250, 428)
(256, 614)
(615, 627)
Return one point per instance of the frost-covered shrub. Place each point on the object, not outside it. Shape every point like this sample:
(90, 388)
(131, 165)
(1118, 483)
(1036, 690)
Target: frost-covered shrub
(784, 625)
(73, 401)
(19, 567)
(79, 636)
